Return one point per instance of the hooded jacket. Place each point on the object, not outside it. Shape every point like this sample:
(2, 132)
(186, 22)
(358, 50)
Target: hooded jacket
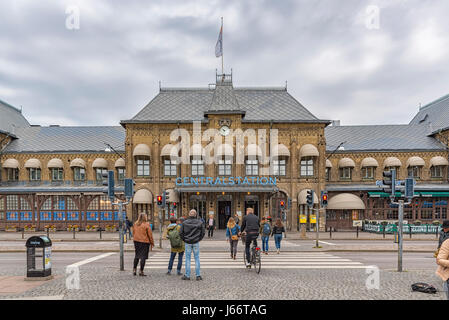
(170, 228)
(192, 230)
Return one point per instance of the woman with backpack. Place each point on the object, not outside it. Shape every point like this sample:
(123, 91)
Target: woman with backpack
(176, 243)
(265, 231)
(277, 232)
(143, 239)
(232, 235)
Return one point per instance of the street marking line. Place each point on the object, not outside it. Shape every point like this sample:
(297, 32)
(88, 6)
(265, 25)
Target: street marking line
(86, 261)
(331, 244)
(241, 266)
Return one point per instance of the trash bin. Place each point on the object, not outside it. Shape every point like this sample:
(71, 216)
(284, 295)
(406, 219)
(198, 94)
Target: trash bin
(38, 257)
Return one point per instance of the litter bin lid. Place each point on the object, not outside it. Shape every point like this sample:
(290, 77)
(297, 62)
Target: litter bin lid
(38, 242)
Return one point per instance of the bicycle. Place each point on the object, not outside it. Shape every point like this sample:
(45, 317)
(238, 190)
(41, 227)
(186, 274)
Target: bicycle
(256, 259)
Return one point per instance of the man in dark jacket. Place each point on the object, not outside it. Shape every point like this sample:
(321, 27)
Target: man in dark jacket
(192, 232)
(250, 225)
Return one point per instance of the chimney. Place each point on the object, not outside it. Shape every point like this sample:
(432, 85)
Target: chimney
(335, 123)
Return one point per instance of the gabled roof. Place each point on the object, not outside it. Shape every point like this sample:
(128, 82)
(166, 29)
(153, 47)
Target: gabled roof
(67, 139)
(434, 115)
(381, 138)
(11, 118)
(174, 105)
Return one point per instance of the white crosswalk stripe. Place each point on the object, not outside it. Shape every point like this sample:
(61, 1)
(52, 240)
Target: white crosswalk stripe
(284, 260)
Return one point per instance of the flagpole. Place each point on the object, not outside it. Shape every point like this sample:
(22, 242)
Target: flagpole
(222, 69)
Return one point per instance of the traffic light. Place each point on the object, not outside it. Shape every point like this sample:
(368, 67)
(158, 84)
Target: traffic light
(324, 198)
(108, 181)
(159, 201)
(310, 198)
(389, 182)
(282, 204)
(174, 205)
(167, 197)
(407, 187)
(129, 188)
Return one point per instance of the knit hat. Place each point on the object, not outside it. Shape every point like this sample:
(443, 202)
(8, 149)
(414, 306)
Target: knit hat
(445, 224)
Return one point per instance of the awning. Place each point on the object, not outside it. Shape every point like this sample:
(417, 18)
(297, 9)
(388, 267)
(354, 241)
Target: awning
(120, 163)
(346, 162)
(415, 162)
(143, 196)
(345, 201)
(11, 164)
(369, 162)
(302, 197)
(78, 163)
(253, 150)
(328, 163)
(280, 150)
(55, 163)
(197, 150)
(170, 150)
(33, 163)
(392, 162)
(100, 163)
(439, 161)
(308, 150)
(142, 150)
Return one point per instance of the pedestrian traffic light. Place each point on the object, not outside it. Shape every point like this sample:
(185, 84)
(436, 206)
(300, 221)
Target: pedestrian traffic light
(174, 205)
(324, 197)
(129, 188)
(167, 196)
(406, 187)
(310, 198)
(159, 201)
(389, 181)
(282, 204)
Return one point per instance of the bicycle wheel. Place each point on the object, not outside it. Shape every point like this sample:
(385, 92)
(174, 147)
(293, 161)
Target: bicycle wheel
(257, 261)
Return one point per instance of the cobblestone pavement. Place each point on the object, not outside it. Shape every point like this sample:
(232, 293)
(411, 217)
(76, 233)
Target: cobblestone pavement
(107, 282)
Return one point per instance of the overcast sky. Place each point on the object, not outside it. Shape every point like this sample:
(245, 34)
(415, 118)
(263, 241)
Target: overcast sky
(341, 60)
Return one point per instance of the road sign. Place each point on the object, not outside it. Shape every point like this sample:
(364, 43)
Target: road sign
(312, 218)
(302, 218)
(357, 223)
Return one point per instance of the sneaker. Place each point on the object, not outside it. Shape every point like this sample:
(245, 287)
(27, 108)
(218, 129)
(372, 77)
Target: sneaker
(199, 278)
(168, 273)
(179, 274)
(185, 278)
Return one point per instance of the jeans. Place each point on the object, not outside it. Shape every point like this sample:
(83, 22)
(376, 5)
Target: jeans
(172, 260)
(250, 238)
(265, 243)
(210, 232)
(446, 288)
(195, 247)
(277, 240)
(233, 244)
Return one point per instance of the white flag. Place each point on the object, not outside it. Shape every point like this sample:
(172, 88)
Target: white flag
(219, 45)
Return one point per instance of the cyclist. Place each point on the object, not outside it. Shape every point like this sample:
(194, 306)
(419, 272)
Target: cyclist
(250, 225)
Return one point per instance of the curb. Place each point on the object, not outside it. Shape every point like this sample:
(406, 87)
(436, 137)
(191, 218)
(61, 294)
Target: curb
(132, 250)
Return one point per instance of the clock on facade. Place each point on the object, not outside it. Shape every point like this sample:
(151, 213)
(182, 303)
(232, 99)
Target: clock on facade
(224, 130)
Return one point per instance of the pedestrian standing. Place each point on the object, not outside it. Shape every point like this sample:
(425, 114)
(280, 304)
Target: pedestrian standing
(444, 234)
(232, 235)
(192, 232)
(143, 241)
(443, 266)
(237, 219)
(211, 227)
(265, 231)
(176, 243)
(129, 226)
(277, 233)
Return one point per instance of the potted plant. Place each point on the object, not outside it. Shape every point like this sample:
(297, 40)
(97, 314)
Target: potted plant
(29, 227)
(91, 228)
(436, 222)
(11, 228)
(417, 223)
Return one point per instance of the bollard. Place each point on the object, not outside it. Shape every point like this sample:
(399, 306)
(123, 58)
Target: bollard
(410, 231)
(73, 233)
(330, 232)
(383, 231)
(23, 233)
(48, 235)
(100, 232)
(357, 232)
(436, 233)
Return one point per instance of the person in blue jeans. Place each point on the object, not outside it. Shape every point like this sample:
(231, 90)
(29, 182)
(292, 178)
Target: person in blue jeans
(265, 231)
(278, 229)
(175, 247)
(192, 232)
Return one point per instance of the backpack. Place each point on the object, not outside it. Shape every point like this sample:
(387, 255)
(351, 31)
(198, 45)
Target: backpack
(266, 229)
(175, 238)
(423, 287)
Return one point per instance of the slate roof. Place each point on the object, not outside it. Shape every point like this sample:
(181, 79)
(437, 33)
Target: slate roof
(11, 118)
(381, 138)
(434, 115)
(257, 104)
(67, 139)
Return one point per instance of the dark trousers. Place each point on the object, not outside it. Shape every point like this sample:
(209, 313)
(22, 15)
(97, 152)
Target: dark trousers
(210, 232)
(172, 260)
(233, 244)
(142, 263)
(250, 238)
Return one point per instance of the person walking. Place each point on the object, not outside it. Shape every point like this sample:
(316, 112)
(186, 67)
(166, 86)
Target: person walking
(176, 243)
(143, 241)
(265, 231)
(192, 232)
(443, 265)
(232, 236)
(129, 226)
(211, 226)
(278, 229)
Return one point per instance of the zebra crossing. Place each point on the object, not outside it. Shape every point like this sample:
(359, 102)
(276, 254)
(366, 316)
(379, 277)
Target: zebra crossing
(284, 260)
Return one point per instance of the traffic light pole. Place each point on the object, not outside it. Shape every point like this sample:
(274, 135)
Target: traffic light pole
(121, 232)
(400, 231)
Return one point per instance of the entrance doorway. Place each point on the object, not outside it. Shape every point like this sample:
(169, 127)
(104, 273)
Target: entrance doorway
(224, 213)
(199, 204)
(252, 204)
